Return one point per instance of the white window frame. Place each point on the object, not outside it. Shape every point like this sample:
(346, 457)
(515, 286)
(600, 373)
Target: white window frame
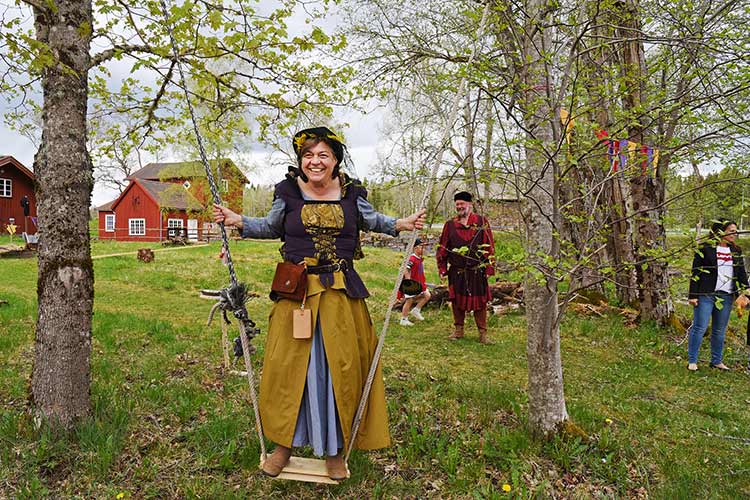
(133, 229)
(6, 188)
(186, 184)
(174, 223)
(224, 186)
(109, 228)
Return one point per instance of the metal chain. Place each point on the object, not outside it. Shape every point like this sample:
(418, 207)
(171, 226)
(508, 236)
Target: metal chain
(247, 326)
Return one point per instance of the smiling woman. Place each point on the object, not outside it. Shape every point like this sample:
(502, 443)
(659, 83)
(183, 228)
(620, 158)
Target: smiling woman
(313, 377)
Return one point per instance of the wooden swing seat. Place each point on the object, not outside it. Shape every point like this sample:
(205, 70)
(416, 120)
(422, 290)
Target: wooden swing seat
(310, 470)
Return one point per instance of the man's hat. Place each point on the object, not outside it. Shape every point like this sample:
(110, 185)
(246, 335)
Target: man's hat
(319, 133)
(463, 196)
(418, 242)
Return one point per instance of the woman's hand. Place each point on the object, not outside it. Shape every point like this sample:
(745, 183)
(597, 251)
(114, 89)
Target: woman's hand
(229, 218)
(414, 221)
(693, 302)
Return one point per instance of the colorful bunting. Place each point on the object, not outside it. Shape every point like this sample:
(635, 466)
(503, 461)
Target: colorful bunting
(623, 153)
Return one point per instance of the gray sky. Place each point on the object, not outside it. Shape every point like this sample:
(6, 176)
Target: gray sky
(362, 136)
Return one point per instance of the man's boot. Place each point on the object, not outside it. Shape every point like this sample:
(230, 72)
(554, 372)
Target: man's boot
(483, 338)
(458, 333)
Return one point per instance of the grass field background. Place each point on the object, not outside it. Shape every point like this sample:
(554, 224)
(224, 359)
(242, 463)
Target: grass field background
(169, 423)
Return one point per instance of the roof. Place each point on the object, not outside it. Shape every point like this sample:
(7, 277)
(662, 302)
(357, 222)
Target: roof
(5, 160)
(183, 170)
(107, 207)
(171, 195)
(165, 194)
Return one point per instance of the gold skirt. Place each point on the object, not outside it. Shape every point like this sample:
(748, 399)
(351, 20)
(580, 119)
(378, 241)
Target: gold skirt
(350, 343)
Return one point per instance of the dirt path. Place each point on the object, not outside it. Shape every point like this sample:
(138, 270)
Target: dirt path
(133, 253)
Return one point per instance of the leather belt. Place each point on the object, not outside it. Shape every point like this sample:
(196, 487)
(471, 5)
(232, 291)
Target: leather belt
(328, 268)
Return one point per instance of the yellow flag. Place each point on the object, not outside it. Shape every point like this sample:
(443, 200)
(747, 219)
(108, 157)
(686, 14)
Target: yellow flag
(568, 122)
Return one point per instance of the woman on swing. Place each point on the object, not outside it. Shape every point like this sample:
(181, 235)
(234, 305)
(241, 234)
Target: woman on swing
(310, 388)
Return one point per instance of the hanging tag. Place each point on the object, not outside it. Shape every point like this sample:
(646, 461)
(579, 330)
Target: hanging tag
(302, 324)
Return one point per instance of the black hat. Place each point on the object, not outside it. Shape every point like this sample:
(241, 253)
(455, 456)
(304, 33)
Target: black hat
(418, 242)
(320, 133)
(410, 287)
(463, 196)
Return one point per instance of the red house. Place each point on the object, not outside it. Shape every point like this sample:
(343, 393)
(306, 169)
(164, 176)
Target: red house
(164, 198)
(16, 189)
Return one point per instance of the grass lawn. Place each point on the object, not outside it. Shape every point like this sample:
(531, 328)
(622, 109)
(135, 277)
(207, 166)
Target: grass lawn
(167, 422)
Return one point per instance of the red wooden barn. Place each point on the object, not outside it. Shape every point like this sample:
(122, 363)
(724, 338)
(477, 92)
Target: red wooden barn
(164, 198)
(16, 184)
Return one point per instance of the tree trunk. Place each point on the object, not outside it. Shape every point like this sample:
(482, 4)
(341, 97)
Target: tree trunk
(647, 192)
(651, 239)
(60, 381)
(614, 200)
(620, 242)
(547, 410)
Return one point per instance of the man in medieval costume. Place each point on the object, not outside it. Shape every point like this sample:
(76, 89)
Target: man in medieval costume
(466, 256)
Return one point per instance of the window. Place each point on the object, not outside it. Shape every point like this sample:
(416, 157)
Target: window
(136, 227)
(186, 184)
(175, 223)
(6, 188)
(109, 223)
(224, 186)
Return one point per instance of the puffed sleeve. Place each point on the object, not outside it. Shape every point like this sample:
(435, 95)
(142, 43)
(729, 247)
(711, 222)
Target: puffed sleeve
(375, 221)
(269, 227)
(442, 251)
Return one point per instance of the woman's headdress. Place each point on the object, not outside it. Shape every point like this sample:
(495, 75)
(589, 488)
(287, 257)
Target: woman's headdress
(323, 134)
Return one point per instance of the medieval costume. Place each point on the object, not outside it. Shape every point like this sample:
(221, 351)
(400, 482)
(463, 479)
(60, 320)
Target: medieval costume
(465, 254)
(307, 383)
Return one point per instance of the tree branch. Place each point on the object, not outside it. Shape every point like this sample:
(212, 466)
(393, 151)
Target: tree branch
(120, 49)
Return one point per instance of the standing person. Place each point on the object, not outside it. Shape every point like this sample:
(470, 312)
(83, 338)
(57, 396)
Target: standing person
(415, 271)
(718, 276)
(310, 388)
(466, 256)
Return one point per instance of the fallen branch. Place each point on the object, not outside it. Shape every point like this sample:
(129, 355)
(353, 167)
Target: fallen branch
(733, 438)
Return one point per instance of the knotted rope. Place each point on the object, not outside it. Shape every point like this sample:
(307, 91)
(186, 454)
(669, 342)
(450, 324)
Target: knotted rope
(410, 247)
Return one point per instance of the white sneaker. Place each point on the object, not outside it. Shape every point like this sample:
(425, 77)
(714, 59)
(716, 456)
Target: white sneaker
(417, 314)
(405, 322)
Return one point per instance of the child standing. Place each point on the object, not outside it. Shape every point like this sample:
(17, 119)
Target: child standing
(415, 271)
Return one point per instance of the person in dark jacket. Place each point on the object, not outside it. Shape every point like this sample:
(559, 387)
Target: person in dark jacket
(718, 276)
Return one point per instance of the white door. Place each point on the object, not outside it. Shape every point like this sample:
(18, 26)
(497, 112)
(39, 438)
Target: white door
(192, 229)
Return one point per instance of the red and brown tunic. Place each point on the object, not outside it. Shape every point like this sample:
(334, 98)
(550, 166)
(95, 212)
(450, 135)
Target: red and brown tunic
(465, 254)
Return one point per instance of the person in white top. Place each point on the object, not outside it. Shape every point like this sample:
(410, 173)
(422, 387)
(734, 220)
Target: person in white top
(718, 277)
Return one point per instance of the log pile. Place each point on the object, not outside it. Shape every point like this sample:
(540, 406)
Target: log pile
(145, 255)
(506, 296)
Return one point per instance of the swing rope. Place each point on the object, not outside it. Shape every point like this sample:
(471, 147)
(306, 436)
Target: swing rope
(445, 140)
(235, 295)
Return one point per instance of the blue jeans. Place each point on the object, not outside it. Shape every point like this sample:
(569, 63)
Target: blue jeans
(705, 310)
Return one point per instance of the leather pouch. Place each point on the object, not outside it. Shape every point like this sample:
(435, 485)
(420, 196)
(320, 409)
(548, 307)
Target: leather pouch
(290, 281)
